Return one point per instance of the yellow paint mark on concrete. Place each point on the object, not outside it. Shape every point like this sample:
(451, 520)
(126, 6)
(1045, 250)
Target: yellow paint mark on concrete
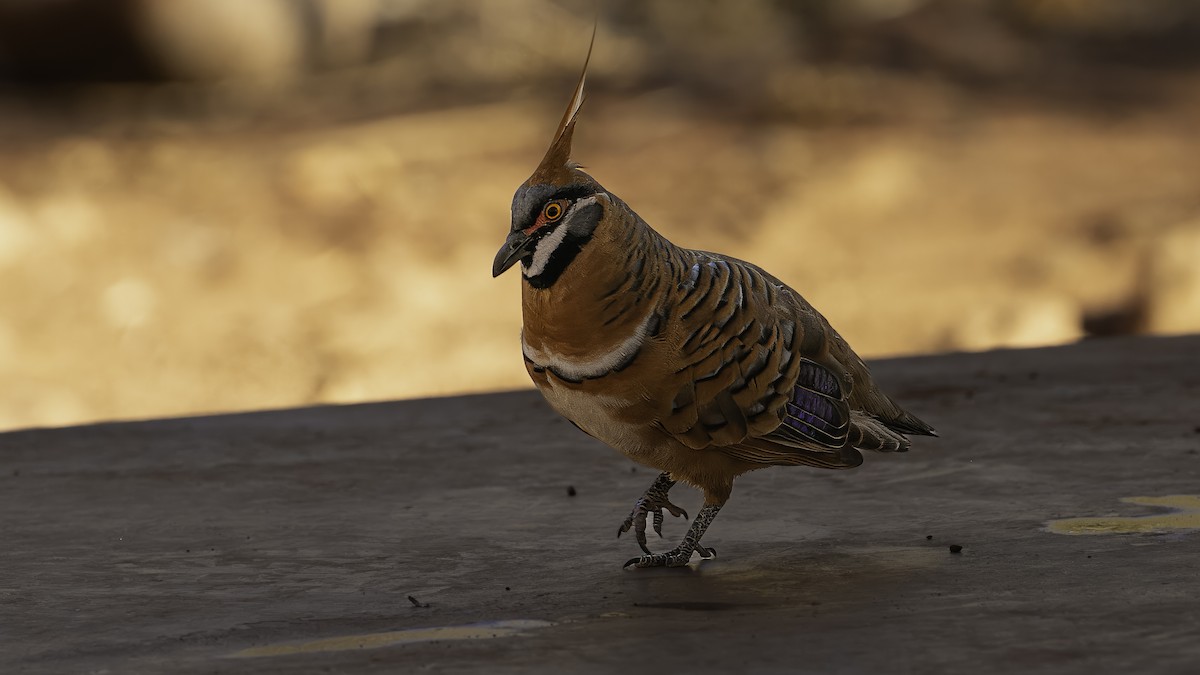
(1184, 515)
(474, 631)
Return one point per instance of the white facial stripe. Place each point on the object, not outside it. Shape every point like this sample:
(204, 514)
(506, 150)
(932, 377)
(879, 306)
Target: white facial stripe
(545, 247)
(601, 364)
(548, 244)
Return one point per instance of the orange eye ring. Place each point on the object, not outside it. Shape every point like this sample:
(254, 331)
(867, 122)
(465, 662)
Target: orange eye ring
(553, 211)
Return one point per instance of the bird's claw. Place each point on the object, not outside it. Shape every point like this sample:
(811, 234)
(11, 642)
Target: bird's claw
(637, 519)
(676, 557)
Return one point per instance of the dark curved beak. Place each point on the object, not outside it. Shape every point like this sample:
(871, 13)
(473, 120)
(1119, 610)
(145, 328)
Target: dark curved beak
(514, 248)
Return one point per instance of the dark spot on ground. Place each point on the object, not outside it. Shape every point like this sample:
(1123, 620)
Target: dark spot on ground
(955, 548)
(417, 603)
(571, 491)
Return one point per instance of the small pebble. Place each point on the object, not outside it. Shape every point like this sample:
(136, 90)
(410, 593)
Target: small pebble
(955, 548)
(929, 537)
(571, 491)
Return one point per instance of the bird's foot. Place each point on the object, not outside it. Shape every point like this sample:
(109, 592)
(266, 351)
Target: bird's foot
(676, 557)
(681, 554)
(649, 504)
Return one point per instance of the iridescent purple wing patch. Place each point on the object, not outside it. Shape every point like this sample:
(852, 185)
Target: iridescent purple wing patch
(817, 411)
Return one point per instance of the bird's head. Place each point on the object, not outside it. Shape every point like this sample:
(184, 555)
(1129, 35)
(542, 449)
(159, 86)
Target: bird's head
(554, 212)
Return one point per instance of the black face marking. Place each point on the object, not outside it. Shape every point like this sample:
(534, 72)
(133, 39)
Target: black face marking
(580, 222)
(562, 256)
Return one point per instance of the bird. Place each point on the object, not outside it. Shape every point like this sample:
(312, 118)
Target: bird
(696, 364)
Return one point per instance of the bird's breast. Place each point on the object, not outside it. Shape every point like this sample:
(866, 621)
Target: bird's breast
(603, 389)
(592, 354)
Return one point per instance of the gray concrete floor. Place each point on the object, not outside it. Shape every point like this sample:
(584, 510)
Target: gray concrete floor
(291, 541)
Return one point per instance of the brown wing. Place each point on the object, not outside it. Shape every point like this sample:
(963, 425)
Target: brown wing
(760, 378)
(741, 347)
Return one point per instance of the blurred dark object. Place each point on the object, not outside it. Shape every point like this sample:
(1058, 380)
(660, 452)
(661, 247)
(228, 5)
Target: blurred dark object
(204, 40)
(970, 40)
(70, 39)
(1126, 320)
(995, 38)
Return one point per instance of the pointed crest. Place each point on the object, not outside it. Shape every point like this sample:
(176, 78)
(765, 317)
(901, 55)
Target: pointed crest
(557, 162)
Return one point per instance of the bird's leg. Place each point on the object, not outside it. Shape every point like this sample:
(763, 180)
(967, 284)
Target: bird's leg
(680, 555)
(654, 501)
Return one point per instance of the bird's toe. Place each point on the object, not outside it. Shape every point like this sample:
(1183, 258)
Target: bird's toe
(676, 557)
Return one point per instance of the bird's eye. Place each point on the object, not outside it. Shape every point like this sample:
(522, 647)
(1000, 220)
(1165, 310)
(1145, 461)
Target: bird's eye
(553, 211)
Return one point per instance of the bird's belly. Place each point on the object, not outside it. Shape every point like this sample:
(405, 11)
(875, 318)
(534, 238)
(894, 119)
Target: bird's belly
(604, 417)
(630, 429)
(625, 423)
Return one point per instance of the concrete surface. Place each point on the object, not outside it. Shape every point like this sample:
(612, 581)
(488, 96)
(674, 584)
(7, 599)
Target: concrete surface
(291, 541)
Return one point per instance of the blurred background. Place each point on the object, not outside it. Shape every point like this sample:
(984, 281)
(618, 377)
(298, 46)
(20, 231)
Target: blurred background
(211, 205)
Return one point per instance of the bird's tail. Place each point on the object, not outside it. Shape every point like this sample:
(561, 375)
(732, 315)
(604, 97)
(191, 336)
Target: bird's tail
(908, 423)
(870, 433)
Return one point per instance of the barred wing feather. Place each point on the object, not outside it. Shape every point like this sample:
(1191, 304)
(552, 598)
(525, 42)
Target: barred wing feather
(758, 380)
